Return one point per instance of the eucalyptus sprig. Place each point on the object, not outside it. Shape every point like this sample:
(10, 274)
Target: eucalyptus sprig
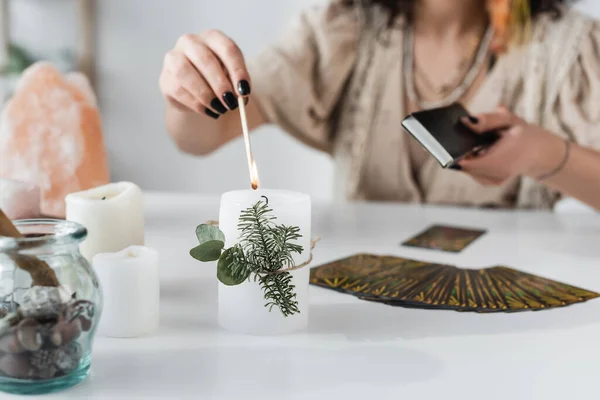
(265, 252)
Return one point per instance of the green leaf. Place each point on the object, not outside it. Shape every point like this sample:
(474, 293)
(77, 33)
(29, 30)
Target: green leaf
(224, 272)
(208, 251)
(207, 233)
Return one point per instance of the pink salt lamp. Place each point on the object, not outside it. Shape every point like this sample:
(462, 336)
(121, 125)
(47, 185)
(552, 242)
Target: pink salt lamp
(19, 200)
(51, 134)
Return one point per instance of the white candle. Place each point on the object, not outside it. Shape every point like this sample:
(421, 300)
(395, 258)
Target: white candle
(131, 290)
(19, 200)
(112, 214)
(242, 307)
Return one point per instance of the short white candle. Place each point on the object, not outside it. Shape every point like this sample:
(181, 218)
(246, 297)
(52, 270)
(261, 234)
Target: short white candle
(19, 200)
(112, 214)
(242, 307)
(131, 290)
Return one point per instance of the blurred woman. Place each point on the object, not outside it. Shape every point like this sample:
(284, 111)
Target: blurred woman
(345, 74)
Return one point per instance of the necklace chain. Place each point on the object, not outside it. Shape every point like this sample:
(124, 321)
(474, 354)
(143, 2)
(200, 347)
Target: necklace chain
(461, 89)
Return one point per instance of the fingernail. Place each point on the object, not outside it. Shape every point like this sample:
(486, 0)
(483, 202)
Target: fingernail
(211, 113)
(474, 120)
(244, 87)
(230, 100)
(456, 167)
(217, 105)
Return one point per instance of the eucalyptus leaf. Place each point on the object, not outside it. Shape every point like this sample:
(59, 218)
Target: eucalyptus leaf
(224, 270)
(208, 251)
(206, 233)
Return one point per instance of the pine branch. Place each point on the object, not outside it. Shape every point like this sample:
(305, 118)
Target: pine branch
(265, 248)
(279, 292)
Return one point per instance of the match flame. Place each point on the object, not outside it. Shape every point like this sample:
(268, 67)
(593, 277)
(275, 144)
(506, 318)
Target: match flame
(254, 176)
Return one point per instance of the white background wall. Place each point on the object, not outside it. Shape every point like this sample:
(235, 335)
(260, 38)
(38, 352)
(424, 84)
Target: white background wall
(133, 37)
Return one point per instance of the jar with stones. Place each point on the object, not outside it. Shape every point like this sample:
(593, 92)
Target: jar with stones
(50, 304)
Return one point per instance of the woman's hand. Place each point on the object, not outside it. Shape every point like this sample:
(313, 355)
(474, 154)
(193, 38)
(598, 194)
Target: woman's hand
(204, 74)
(522, 150)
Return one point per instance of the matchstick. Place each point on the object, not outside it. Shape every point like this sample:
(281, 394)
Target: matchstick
(251, 163)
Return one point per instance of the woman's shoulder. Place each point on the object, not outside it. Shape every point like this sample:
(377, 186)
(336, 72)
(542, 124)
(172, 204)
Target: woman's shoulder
(558, 44)
(331, 15)
(570, 27)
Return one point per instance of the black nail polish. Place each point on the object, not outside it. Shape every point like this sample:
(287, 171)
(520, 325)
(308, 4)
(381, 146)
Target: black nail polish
(211, 113)
(217, 105)
(473, 119)
(230, 100)
(244, 87)
(456, 167)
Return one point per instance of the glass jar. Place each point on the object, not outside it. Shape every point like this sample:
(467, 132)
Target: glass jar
(50, 305)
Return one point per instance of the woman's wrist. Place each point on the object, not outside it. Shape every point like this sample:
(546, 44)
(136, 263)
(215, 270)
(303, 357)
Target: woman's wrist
(550, 154)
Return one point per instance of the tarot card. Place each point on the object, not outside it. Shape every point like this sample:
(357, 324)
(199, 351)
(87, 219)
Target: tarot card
(521, 285)
(455, 294)
(473, 300)
(485, 301)
(428, 294)
(492, 290)
(532, 301)
(440, 294)
(405, 282)
(509, 295)
(422, 293)
(553, 293)
(371, 275)
(445, 238)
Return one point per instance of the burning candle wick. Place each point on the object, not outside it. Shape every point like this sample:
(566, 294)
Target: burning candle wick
(254, 186)
(266, 199)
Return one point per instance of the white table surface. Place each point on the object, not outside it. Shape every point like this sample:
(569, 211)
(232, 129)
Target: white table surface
(354, 349)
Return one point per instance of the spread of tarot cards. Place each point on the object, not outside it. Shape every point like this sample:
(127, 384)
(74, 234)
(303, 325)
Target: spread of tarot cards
(415, 284)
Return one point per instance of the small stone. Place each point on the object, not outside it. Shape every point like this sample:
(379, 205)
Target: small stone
(41, 302)
(86, 324)
(44, 358)
(68, 357)
(28, 334)
(66, 331)
(47, 373)
(9, 343)
(15, 366)
(56, 338)
(82, 310)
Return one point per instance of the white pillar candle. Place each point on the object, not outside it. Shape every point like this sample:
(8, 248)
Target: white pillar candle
(242, 307)
(131, 290)
(112, 214)
(19, 200)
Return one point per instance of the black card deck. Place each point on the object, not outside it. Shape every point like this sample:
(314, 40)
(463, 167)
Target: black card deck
(445, 238)
(415, 284)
